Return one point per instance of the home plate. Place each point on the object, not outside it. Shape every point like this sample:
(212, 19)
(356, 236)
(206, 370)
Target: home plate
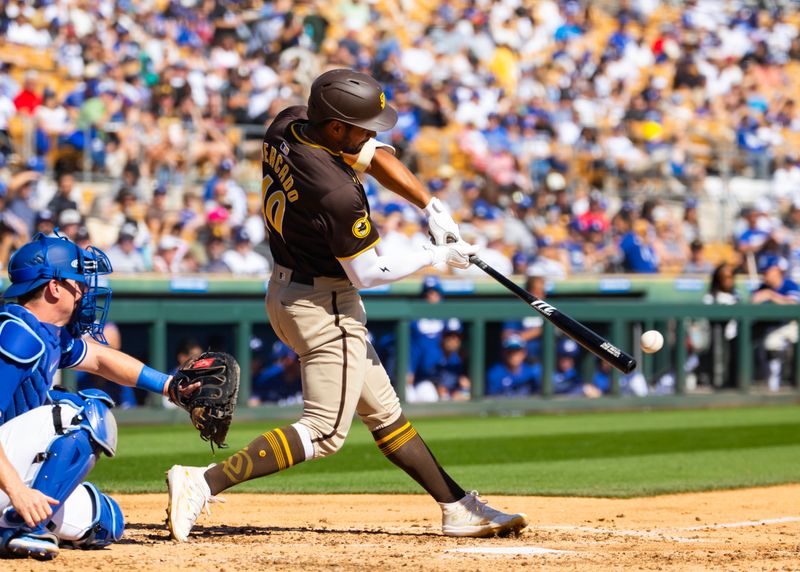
(508, 550)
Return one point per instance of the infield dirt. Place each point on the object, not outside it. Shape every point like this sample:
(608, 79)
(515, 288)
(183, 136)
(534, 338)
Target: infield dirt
(753, 529)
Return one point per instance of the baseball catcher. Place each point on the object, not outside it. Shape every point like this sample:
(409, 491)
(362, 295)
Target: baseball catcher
(211, 405)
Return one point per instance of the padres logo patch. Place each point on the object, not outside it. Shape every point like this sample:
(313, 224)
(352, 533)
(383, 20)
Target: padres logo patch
(383, 100)
(361, 227)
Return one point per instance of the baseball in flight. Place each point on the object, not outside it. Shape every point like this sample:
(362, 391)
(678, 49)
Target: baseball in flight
(651, 341)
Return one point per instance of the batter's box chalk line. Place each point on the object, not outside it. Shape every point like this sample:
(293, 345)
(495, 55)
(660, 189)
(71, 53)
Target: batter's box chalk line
(663, 533)
(508, 550)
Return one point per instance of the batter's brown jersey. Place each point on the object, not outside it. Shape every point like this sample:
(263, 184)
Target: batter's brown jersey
(313, 204)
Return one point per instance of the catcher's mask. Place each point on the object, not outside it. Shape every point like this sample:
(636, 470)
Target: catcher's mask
(48, 258)
(351, 97)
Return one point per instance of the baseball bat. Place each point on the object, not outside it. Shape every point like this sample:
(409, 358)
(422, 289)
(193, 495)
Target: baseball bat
(586, 337)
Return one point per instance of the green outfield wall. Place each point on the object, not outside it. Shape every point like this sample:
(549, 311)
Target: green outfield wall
(619, 307)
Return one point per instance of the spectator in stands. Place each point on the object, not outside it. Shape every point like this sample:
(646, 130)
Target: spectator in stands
(629, 384)
(216, 224)
(426, 348)
(158, 217)
(225, 191)
(68, 223)
(530, 328)
(28, 99)
(516, 232)
(513, 376)
(13, 231)
(21, 191)
(192, 214)
(500, 92)
(452, 381)
(566, 377)
(63, 199)
(756, 234)
(490, 236)
(637, 250)
(697, 263)
(215, 249)
(45, 223)
(52, 122)
(186, 349)
(82, 237)
(125, 257)
(669, 249)
(242, 259)
(690, 230)
(777, 338)
(393, 237)
(169, 256)
(279, 382)
(718, 364)
(550, 260)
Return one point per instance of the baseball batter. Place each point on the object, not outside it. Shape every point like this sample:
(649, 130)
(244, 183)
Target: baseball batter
(50, 440)
(323, 242)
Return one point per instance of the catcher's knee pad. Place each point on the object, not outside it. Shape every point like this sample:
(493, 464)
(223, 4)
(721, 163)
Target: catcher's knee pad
(74, 450)
(89, 519)
(95, 417)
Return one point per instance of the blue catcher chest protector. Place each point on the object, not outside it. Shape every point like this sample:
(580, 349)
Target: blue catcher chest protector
(56, 258)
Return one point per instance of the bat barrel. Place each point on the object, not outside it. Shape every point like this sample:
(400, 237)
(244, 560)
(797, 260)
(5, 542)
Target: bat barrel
(583, 335)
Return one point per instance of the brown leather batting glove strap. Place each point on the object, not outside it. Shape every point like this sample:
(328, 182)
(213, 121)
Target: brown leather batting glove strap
(211, 406)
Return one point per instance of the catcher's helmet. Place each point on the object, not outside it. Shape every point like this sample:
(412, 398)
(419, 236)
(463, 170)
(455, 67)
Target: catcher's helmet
(48, 258)
(351, 97)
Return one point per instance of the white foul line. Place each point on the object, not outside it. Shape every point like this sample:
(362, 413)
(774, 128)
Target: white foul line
(746, 523)
(659, 532)
(638, 533)
(508, 550)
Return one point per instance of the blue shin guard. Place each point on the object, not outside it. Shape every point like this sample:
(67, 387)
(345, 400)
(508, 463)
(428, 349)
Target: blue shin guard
(67, 461)
(107, 523)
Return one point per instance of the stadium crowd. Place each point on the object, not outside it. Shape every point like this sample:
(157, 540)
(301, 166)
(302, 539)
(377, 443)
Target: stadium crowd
(554, 130)
(567, 137)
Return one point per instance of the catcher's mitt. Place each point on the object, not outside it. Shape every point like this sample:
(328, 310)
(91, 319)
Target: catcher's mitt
(211, 406)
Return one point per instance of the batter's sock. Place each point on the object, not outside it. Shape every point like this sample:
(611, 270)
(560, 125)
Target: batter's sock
(401, 444)
(268, 453)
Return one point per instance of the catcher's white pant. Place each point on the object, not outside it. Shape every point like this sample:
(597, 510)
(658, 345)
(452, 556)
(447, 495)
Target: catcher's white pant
(22, 439)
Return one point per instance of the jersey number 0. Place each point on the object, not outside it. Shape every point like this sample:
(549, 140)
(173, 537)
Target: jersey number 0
(274, 204)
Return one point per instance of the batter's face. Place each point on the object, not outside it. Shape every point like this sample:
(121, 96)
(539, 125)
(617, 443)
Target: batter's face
(352, 138)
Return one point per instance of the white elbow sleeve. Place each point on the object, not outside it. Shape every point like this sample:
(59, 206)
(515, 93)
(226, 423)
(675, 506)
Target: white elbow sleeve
(368, 152)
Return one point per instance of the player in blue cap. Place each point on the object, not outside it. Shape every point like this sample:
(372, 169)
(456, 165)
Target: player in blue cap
(50, 440)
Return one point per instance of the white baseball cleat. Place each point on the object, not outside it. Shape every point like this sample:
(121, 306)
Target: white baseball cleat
(38, 546)
(189, 495)
(473, 517)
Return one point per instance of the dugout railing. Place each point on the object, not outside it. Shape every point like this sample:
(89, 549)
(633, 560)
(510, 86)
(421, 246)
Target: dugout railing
(620, 321)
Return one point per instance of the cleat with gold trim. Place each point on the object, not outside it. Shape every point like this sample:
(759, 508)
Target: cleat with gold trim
(189, 495)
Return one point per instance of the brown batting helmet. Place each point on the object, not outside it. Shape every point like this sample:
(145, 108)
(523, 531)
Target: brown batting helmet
(351, 97)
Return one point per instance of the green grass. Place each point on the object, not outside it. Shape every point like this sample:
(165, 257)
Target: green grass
(616, 454)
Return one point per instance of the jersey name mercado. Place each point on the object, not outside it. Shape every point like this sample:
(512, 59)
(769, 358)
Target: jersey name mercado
(274, 199)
